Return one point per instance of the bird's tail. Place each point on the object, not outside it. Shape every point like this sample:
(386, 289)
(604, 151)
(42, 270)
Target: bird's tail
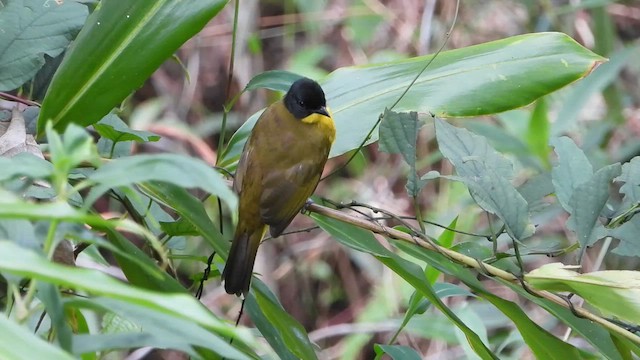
(239, 268)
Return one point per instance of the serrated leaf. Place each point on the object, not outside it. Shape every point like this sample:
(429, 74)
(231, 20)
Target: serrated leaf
(628, 234)
(119, 47)
(573, 168)
(487, 174)
(586, 203)
(631, 178)
(613, 292)
(30, 29)
(399, 135)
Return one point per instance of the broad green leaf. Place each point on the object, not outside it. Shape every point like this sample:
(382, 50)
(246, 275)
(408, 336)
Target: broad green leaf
(541, 342)
(180, 170)
(538, 133)
(417, 303)
(287, 336)
(573, 168)
(114, 129)
(496, 77)
(15, 208)
(487, 174)
(26, 263)
(475, 323)
(119, 47)
(399, 135)
(277, 80)
(21, 343)
(414, 276)
(351, 236)
(30, 29)
(410, 273)
(613, 292)
(596, 335)
(626, 347)
(587, 202)
(50, 297)
(397, 352)
(151, 330)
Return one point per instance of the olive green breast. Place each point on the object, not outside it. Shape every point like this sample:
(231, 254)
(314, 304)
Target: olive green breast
(281, 165)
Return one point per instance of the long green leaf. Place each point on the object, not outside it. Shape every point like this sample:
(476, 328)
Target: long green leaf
(20, 343)
(119, 47)
(596, 335)
(183, 171)
(538, 339)
(22, 262)
(481, 79)
(287, 336)
(150, 330)
(409, 272)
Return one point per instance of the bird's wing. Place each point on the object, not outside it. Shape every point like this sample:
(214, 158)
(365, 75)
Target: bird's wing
(284, 193)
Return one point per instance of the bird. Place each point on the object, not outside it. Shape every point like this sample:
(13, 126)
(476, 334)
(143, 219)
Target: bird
(279, 169)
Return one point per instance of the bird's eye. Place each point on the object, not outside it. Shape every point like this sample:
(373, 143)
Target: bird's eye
(301, 103)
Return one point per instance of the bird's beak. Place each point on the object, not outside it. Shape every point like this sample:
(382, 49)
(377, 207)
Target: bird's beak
(323, 111)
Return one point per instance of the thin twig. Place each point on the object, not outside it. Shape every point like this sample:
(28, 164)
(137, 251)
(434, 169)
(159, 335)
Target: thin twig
(470, 262)
(15, 98)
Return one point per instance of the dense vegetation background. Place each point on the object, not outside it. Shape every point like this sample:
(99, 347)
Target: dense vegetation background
(512, 148)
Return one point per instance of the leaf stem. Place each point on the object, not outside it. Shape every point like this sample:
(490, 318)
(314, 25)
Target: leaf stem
(223, 129)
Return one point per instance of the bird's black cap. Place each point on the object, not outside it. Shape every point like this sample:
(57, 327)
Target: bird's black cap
(304, 98)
